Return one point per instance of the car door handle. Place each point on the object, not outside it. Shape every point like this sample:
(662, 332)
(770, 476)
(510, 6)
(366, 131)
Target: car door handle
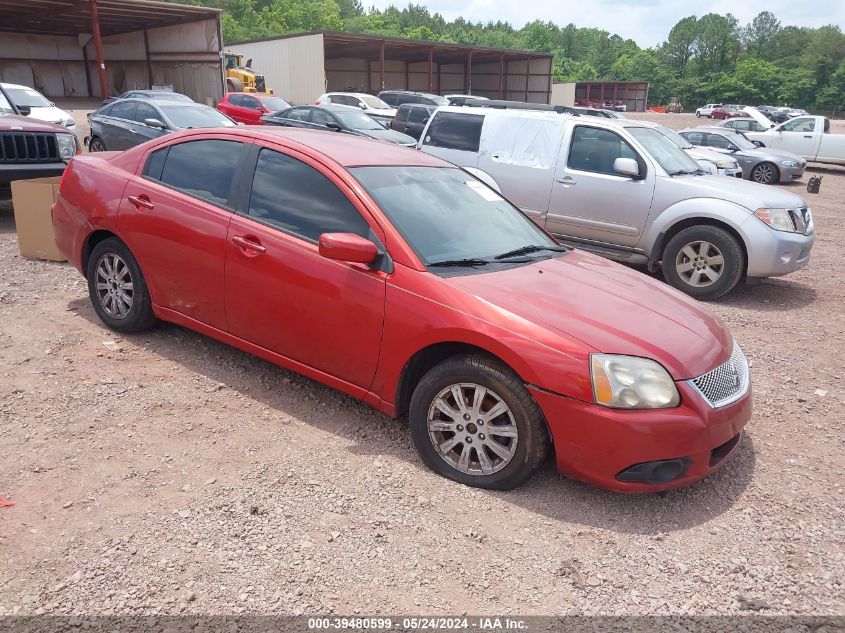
(567, 181)
(141, 202)
(249, 244)
(808, 136)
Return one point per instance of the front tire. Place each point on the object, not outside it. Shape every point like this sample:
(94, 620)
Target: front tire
(96, 144)
(765, 174)
(117, 288)
(698, 115)
(473, 421)
(703, 261)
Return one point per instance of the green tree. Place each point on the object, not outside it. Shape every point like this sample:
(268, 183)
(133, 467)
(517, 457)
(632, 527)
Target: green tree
(760, 35)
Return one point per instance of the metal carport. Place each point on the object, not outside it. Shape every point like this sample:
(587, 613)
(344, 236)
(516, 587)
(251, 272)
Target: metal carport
(92, 48)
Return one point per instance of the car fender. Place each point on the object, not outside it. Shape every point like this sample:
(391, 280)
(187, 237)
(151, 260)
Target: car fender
(708, 210)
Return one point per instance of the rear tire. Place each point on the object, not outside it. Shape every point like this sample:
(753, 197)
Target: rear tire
(698, 115)
(117, 288)
(96, 144)
(704, 262)
(234, 85)
(765, 174)
(473, 421)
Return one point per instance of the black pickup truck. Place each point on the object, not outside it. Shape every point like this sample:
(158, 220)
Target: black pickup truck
(30, 148)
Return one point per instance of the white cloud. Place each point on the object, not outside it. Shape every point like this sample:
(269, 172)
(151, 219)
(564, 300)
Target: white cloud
(647, 22)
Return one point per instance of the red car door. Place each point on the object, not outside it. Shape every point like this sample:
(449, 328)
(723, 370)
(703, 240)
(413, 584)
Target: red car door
(175, 216)
(251, 110)
(281, 293)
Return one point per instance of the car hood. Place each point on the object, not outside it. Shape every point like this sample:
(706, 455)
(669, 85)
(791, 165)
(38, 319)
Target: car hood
(767, 153)
(750, 195)
(391, 136)
(608, 307)
(27, 124)
(758, 116)
(50, 114)
(702, 153)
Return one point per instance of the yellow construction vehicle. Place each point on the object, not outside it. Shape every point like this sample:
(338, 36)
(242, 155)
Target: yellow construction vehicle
(242, 78)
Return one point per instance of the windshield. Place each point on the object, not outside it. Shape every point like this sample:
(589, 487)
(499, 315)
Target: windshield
(274, 104)
(441, 101)
(200, 116)
(664, 151)
(374, 102)
(446, 214)
(741, 141)
(5, 106)
(673, 136)
(164, 96)
(358, 121)
(27, 97)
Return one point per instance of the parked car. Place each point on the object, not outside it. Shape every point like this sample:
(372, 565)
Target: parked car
(569, 174)
(382, 296)
(338, 118)
(167, 95)
(411, 118)
(459, 100)
(32, 103)
(616, 106)
(760, 164)
(606, 114)
(30, 148)
(744, 124)
(249, 107)
(767, 110)
(707, 110)
(780, 115)
(128, 122)
(807, 136)
(710, 161)
(727, 112)
(395, 98)
(373, 106)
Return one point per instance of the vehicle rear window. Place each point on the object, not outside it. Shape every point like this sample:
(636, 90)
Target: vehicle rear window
(298, 199)
(203, 169)
(455, 131)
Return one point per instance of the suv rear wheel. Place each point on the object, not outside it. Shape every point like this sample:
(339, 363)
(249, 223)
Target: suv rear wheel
(703, 261)
(473, 421)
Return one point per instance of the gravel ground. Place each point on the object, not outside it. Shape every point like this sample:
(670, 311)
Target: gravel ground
(166, 473)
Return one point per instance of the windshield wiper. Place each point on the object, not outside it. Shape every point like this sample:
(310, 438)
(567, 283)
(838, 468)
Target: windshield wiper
(471, 261)
(531, 248)
(686, 172)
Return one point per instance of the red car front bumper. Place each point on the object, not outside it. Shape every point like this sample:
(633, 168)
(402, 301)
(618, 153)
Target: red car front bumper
(595, 444)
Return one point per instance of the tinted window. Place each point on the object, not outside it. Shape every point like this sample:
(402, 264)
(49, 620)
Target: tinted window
(402, 113)
(344, 100)
(388, 98)
(716, 140)
(320, 117)
(236, 100)
(300, 200)
(404, 98)
(146, 111)
(202, 168)
(250, 102)
(298, 114)
(455, 131)
(122, 110)
(418, 115)
(155, 163)
(696, 138)
(593, 149)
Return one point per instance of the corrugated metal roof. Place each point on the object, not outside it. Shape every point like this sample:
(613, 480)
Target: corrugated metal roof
(72, 17)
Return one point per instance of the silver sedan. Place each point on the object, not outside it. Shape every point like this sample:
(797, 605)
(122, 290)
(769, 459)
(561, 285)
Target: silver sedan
(760, 164)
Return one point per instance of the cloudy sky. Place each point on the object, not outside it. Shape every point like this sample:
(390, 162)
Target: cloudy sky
(645, 21)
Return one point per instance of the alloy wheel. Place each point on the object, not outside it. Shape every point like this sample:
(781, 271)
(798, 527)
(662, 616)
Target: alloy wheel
(96, 145)
(700, 264)
(114, 285)
(472, 429)
(764, 174)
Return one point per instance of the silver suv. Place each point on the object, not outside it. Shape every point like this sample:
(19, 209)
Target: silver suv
(621, 189)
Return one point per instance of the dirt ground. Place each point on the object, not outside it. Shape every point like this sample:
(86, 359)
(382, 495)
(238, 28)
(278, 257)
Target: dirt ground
(167, 473)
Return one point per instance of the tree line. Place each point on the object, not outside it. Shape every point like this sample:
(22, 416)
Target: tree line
(712, 58)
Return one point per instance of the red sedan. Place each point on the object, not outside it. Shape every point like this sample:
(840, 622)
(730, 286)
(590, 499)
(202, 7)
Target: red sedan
(727, 112)
(405, 282)
(249, 107)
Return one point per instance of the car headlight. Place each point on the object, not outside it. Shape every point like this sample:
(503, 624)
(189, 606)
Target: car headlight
(789, 163)
(630, 382)
(67, 145)
(778, 219)
(709, 166)
(726, 164)
(68, 123)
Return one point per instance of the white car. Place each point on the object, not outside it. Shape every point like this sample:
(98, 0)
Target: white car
(373, 106)
(707, 110)
(37, 106)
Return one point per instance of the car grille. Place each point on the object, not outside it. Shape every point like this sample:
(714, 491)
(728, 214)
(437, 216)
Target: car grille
(802, 219)
(727, 383)
(28, 147)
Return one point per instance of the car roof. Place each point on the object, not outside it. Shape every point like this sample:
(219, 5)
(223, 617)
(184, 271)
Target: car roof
(538, 114)
(6, 85)
(348, 94)
(345, 150)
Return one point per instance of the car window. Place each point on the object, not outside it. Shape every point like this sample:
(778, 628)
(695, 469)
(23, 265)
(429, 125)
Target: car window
(402, 114)
(418, 115)
(122, 110)
(236, 100)
(298, 199)
(298, 114)
(389, 99)
(400, 99)
(716, 140)
(696, 138)
(145, 111)
(593, 149)
(274, 104)
(320, 117)
(250, 102)
(155, 163)
(800, 125)
(203, 169)
(455, 131)
(344, 100)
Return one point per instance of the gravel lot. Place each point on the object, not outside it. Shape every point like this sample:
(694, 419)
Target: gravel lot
(167, 473)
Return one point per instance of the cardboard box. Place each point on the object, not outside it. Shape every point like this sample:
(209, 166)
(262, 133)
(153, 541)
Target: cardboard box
(32, 201)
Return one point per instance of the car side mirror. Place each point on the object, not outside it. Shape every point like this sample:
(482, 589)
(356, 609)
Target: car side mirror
(733, 148)
(333, 126)
(25, 110)
(347, 247)
(363, 106)
(155, 123)
(627, 167)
